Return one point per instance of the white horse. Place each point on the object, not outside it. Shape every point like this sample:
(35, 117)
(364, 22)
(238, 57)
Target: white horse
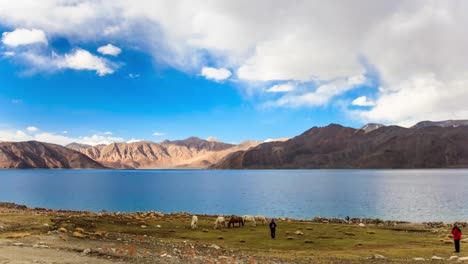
(249, 218)
(220, 221)
(261, 219)
(194, 222)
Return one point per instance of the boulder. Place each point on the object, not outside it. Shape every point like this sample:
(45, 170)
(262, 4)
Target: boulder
(78, 235)
(419, 259)
(436, 258)
(362, 225)
(299, 233)
(378, 256)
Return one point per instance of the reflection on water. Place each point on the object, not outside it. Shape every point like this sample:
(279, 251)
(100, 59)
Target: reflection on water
(414, 195)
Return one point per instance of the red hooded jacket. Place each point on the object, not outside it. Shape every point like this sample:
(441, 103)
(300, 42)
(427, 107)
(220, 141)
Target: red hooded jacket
(457, 234)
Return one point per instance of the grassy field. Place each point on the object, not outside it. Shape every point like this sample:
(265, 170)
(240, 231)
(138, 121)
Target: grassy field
(318, 240)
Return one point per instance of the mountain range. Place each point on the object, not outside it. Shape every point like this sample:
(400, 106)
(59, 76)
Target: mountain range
(427, 144)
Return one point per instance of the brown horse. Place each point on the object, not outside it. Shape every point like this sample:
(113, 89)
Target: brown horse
(235, 219)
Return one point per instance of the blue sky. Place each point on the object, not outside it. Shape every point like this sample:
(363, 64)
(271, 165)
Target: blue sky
(82, 71)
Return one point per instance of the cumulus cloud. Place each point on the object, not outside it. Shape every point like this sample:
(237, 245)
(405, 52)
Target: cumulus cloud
(81, 59)
(133, 140)
(322, 95)
(56, 138)
(362, 101)
(158, 134)
(107, 133)
(398, 38)
(281, 88)
(22, 36)
(109, 49)
(77, 59)
(215, 74)
(32, 129)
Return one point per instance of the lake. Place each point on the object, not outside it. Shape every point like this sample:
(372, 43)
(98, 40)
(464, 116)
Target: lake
(412, 195)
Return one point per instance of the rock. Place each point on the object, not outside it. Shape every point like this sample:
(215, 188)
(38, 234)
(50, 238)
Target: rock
(309, 228)
(378, 256)
(448, 241)
(308, 241)
(205, 230)
(436, 258)
(165, 255)
(63, 230)
(220, 238)
(215, 247)
(242, 241)
(18, 244)
(299, 233)
(362, 225)
(45, 224)
(289, 238)
(419, 259)
(453, 258)
(462, 258)
(371, 232)
(78, 235)
(79, 229)
(86, 251)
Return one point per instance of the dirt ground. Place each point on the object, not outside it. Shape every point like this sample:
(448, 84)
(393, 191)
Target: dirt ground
(56, 236)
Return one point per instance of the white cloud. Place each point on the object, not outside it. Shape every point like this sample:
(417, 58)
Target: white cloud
(109, 49)
(56, 138)
(22, 36)
(133, 75)
(158, 134)
(280, 88)
(397, 38)
(133, 140)
(107, 133)
(321, 96)
(9, 53)
(362, 101)
(357, 80)
(215, 74)
(65, 132)
(81, 59)
(32, 129)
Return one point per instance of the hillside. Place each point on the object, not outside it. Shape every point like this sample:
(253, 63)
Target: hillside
(33, 154)
(189, 153)
(335, 146)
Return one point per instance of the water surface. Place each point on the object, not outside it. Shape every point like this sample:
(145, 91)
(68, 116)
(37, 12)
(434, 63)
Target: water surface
(413, 195)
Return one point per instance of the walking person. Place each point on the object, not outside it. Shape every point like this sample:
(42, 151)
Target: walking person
(273, 228)
(457, 234)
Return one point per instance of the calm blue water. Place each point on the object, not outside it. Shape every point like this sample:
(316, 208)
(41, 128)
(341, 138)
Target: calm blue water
(414, 195)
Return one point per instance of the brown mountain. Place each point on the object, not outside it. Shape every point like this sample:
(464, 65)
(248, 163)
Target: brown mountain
(189, 153)
(335, 146)
(33, 154)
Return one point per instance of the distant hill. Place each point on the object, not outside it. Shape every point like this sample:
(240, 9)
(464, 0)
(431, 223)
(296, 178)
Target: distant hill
(33, 154)
(447, 123)
(189, 153)
(335, 146)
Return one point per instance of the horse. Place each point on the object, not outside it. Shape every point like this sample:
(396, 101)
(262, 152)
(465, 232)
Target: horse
(249, 218)
(220, 221)
(235, 219)
(194, 222)
(261, 219)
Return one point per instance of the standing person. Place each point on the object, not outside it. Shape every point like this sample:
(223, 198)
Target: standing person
(273, 228)
(457, 234)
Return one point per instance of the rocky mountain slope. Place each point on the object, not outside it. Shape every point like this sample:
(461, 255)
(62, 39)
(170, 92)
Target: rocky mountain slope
(335, 146)
(33, 154)
(446, 123)
(189, 153)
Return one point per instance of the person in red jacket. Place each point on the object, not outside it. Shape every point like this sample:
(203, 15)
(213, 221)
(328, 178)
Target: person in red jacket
(457, 234)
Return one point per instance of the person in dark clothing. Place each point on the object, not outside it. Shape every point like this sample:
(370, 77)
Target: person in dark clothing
(457, 234)
(273, 228)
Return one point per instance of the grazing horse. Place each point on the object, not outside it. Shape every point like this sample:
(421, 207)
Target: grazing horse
(220, 221)
(194, 222)
(249, 218)
(261, 219)
(235, 219)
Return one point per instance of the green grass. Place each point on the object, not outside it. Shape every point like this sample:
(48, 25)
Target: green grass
(326, 240)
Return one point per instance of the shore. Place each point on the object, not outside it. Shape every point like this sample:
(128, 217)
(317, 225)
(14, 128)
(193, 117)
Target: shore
(60, 236)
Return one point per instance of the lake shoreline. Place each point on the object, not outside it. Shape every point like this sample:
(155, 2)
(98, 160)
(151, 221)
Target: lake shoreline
(149, 237)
